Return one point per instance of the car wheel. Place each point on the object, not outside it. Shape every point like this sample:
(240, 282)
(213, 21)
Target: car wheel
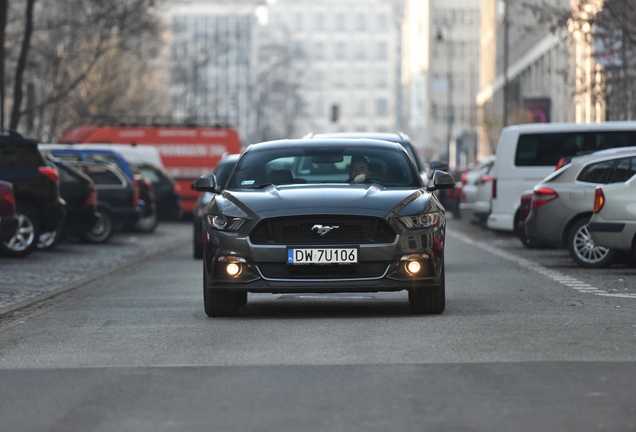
(47, 240)
(583, 250)
(429, 300)
(102, 230)
(147, 224)
(197, 242)
(219, 303)
(24, 241)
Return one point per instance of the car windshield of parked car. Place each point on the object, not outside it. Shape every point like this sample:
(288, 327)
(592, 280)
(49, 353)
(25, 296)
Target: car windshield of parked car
(324, 164)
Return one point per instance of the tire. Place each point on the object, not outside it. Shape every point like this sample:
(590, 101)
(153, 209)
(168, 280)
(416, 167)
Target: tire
(147, 224)
(24, 241)
(582, 248)
(48, 240)
(242, 298)
(220, 303)
(429, 300)
(102, 230)
(197, 242)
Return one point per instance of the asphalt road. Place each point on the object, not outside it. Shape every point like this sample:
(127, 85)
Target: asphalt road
(528, 342)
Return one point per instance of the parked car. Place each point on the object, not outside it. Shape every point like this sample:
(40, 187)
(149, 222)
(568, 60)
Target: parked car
(149, 218)
(613, 224)
(524, 211)
(39, 207)
(117, 198)
(477, 190)
(8, 218)
(167, 191)
(222, 173)
(563, 202)
(87, 153)
(80, 194)
(305, 229)
(526, 154)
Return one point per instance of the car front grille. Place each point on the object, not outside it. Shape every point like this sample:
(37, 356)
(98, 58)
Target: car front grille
(285, 271)
(336, 229)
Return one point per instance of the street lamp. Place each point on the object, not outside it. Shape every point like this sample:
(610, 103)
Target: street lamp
(449, 92)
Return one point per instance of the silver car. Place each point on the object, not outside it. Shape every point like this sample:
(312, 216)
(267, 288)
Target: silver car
(613, 224)
(477, 190)
(563, 202)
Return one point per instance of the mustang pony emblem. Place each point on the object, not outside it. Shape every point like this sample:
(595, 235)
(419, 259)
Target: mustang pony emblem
(322, 230)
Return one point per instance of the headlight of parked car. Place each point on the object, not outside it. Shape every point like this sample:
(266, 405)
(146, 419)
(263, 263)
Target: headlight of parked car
(226, 223)
(426, 220)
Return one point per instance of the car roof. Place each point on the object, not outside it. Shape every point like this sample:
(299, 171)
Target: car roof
(571, 127)
(314, 143)
(604, 154)
(383, 136)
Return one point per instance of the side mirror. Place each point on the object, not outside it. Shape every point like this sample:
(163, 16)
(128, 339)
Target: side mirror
(205, 183)
(442, 180)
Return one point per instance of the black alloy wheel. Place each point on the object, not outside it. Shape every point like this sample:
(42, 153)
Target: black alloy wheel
(102, 230)
(197, 241)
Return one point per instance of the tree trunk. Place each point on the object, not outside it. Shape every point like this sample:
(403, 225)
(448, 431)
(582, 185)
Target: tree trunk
(21, 66)
(4, 6)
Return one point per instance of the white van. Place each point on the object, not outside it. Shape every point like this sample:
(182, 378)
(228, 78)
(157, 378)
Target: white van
(137, 154)
(526, 154)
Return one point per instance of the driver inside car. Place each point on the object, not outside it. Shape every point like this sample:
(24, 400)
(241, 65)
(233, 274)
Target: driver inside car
(359, 169)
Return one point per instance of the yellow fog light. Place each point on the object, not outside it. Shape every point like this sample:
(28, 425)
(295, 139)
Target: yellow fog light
(233, 269)
(413, 267)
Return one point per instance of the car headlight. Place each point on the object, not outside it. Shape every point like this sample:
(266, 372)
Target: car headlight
(226, 223)
(425, 220)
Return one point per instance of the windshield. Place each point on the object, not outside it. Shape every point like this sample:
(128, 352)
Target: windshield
(337, 164)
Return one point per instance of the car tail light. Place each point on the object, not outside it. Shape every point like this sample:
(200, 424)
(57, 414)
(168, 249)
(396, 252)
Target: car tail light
(463, 177)
(7, 202)
(599, 200)
(177, 188)
(135, 198)
(494, 188)
(50, 172)
(486, 178)
(91, 199)
(560, 164)
(543, 196)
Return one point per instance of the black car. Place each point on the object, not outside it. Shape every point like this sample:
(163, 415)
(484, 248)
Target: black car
(117, 199)
(290, 220)
(39, 206)
(8, 218)
(222, 173)
(166, 191)
(80, 194)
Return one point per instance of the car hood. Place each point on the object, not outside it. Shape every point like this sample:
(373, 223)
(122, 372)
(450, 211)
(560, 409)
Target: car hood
(320, 199)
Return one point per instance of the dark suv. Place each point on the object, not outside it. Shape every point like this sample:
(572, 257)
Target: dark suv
(39, 207)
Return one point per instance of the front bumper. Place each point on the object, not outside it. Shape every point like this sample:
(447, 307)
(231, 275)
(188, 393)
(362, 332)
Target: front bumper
(379, 267)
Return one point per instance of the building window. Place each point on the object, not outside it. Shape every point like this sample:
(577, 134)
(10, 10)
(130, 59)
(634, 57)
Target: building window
(382, 108)
(360, 78)
(320, 22)
(341, 22)
(319, 107)
(319, 50)
(382, 129)
(361, 107)
(340, 50)
(361, 22)
(361, 50)
(383, 22)
(299, 49)
(299, 22)
(381, 51)
(340, 78)
(381, 78)
(361, 129)
(319, 78)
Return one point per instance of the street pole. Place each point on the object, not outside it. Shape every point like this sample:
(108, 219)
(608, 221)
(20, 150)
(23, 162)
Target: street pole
(449, 102)
(505, 64)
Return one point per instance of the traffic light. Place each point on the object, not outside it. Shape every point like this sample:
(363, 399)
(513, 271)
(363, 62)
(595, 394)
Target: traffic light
(335, 112)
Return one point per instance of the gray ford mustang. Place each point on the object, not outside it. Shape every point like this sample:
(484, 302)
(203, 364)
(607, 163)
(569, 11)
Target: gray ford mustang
(323, 216)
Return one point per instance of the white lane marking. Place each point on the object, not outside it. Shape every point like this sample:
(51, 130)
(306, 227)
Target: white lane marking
(556, 276)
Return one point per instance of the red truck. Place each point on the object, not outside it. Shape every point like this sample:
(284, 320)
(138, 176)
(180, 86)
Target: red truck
(187, 152)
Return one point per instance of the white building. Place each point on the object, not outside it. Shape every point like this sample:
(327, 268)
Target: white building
(347, 59)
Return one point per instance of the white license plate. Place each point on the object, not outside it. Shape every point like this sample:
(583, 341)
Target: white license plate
(322, 256)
